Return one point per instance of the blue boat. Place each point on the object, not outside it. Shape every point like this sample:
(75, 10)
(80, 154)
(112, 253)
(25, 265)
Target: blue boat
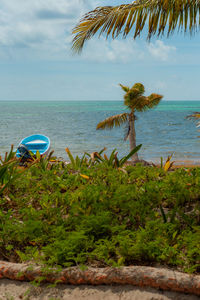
(33, 143)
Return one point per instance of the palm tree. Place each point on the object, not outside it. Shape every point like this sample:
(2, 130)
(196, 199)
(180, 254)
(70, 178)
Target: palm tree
(158, 15)
(135, 100)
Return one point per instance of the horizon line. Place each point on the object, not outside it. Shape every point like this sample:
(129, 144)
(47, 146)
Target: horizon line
(16, 100)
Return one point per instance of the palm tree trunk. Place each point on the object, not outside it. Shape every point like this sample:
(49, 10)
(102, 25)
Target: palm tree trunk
(132, 136)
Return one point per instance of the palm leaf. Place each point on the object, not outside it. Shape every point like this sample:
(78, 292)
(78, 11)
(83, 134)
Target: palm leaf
(144, 103)
(113, 121)
(124, 159)
(112, 157)
(153, 100)
(131, 97)
(71, 157)
(162, 16)
(124, 88)
(196, 116)
(140, 87)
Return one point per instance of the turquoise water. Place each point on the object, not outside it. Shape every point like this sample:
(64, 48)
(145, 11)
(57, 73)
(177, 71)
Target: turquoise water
(72, 124)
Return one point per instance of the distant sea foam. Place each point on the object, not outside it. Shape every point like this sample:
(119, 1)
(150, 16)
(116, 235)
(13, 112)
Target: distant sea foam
(161, 131)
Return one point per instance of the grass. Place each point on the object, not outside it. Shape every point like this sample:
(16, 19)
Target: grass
(97, 214)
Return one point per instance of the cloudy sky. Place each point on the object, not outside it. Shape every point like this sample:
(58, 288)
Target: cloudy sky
(36, 61)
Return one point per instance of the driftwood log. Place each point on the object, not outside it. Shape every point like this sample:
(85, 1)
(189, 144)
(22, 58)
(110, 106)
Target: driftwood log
(142, 276)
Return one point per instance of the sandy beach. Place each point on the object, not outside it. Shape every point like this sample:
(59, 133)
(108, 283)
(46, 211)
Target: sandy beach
(10, 289)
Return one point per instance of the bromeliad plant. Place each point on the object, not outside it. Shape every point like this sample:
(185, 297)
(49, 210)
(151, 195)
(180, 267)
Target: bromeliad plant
(76, 162)
(168, 164)
(8, 169)
(134, 100)
(43, 162)
(11, 167)
(96, 158)
(113, 160)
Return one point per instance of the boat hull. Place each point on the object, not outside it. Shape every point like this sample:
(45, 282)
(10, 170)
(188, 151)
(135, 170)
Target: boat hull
(34, 143)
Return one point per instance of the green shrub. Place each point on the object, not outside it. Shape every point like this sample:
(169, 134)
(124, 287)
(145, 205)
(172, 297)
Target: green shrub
(102, 216)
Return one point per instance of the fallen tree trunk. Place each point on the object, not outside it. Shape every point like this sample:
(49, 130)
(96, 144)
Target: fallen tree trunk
(142, 276)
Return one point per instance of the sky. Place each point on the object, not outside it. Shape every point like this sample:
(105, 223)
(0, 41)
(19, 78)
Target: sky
(37, 63)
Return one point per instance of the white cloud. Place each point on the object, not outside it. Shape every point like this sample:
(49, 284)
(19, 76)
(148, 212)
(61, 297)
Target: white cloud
(29, 23)
(160, 51)
(125, 51)
(42, 29)
(114, 51)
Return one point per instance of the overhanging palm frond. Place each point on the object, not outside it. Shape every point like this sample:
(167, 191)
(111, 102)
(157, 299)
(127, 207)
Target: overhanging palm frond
(161, 15)
(112, 121)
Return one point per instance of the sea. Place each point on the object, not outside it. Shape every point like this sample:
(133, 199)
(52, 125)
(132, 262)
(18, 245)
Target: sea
(162, 131)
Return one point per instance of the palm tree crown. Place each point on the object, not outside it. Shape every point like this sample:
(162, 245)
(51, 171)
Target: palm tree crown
(135, 100)
(181, 15)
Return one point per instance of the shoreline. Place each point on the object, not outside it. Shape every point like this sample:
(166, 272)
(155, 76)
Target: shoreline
(177, 163)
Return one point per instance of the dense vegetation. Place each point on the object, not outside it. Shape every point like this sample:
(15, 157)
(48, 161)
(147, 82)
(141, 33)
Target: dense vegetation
(96, 213)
